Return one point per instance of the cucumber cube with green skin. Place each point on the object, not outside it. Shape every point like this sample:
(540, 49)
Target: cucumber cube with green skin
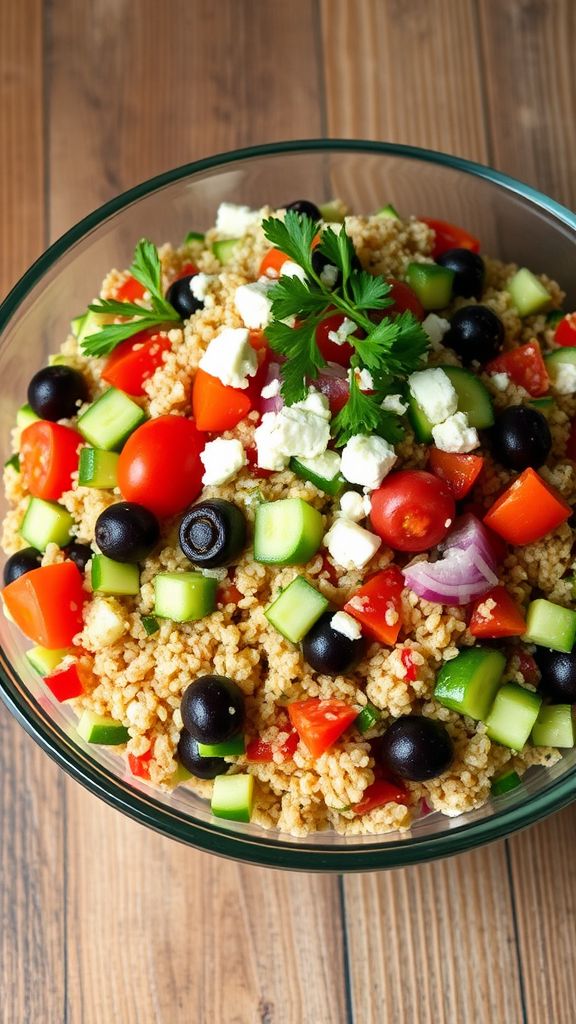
(528, 293)
(110, 420)
(287, 532)
(101, 730)
(554, 317)
(229, 748)
(193, 236)
(543, 405)
(554, 727)
(332, 213)
(44, 660)
(550, 625)
(296, 609)
(323, 472)
(179, 775)
(13, 462)
(512, 716)
(233, 797)
(151, 624)
(184, 596)
(224, 250)
(89, 323)
(46, 522)
(389, 211)
(432, 284)
(368, 718)
(473, 399)
(25, 416)
(469, 683)
(98, 468)
(110, 577)
(505, 782)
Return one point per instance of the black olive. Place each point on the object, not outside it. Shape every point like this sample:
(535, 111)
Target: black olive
(181, 297)
(213, 533)
(201, 767)
(476, 334)
(558, 670)
(212, 709)
(56, 392)
(80, 554)
(520, 438)
(127, 532)
(328, 651)
(305, 207)
(415, 748)
(468, 270)
(20, 563)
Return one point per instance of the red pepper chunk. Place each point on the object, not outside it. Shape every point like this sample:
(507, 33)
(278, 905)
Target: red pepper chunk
(565, 333)
(450, 236)
(46, 604)
(261, 752)
(496, 615)
(459, 471)
(379, 794)
(140, 764)
(319, 723)
(129, 290)
(527, 510)
(66, 683)
(377, 606)
(134, 361)
(272, 264)
(525, 366)
(215, 405)
(408, 663)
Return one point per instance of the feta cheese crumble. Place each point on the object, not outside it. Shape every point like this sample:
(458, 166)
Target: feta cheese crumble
(364, 378)
(342, 333)
(254, 304)
(350, 545)
(200, 284)
(434, 392)
(302, 429)
(455, 434)
(500, 381)
(329, 275)
(345, 624)
(271, 390)
(563, 377)
(354, 506)
(366, 460)
(233, 220)
(230, 357)
(436, 327)
(221, 460)
(394, 403)
(291, 269)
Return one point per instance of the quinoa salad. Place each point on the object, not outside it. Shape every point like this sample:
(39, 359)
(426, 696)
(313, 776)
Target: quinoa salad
(290, 519)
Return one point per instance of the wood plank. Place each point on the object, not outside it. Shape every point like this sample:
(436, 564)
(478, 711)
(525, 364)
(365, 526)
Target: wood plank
(172, 931)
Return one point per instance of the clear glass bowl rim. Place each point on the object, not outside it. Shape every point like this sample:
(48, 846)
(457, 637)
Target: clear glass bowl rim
(270, 849)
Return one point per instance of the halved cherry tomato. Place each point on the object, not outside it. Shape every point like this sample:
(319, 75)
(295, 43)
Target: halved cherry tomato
(450, 236)
(140, 764)
(319, 723)
(459, 471)
(412, 510)
(525, 367)
(404, 298)
(505, 618)
(134, 361)
(255, 469)
(66, 683)
(565, 333)
(46, 604)
(160, 467)
(331, 350)
(257, 750)
(272, 263)
(187, 270)
(380, 793)
(215, 405)
(377, 605)
(129, 290)
(49, 455)
(527, 510)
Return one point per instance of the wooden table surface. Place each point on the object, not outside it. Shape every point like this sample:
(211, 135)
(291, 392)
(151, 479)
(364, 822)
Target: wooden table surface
(102, 920)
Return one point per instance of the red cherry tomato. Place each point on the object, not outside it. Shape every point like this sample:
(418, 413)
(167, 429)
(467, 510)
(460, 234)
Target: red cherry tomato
(450, 236)
(134, 361)
(255, 469)
(46, 604)
(319, 723)
(129, 290)
(459, 471)
(565, 333)
(404, 298)
(412, 510)
(187, 270)
(332, 352)
(159, 466)
(48, 457)
(380, 793)
(257, 750)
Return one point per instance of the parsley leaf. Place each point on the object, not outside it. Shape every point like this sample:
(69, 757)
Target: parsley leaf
(338, 249)
(394, 346)
(293, 236)
(303, 357)
(293, 297)
(369, 292)
(363, 414)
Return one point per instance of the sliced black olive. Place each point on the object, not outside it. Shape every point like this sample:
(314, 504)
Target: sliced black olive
(201, 767)
(56, 392)
(415, 748)
(80, 554)
(181, 297)
(212, 709)
(20, 563)
(520, 438)
(305, 207)
(558, 670)
(468, 270)
(213, 533)
(476, 334)
(127, 532)
(329, 651)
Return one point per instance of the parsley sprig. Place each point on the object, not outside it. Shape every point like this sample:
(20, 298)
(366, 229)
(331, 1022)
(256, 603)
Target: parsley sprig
(390, 350)
(147, 269)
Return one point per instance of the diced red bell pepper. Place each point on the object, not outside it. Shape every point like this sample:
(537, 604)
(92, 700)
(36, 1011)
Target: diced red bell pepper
(140, 764)
(46, 604)
(505, 618)
(49, 455)
(258, 751)
(527, 510)
(450, 236)
(319, 723)
(380, 793)
(66, 683)
(129, 290)
(134, 361)
(272, 263)
(525, 366)
(408, 663)
(565, 333)
(217, 407)
(188, 270)
(459, 471)
(377, 605)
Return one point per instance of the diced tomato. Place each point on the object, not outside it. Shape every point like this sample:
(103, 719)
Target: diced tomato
(571, 442)
(408, 663)
(134, 361)
(527, 510)
(49, 455)
(216, 406)
(66, 683)
(188, 270)
(46, 604)
(526, 665)
(255, 469)
(257, 340)
(228, 593)
(459, 471)
(257, 750)
(140, 764)
(319, 723)
(505, 618)
(450, 236)
(330, 570)
(331, 350)
(404, 298)
(565, 333)
(377, 606)
(525, 367)
(129, 290)
(380, 793)
(272, 263)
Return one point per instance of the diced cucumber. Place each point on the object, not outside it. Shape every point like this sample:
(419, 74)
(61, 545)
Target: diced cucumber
(296, 609)
(89, 323)
(323, 471)
(194, 236)
(179, 775)
(101, 730)
(505, 782)
(230, 748)
(58, 359)
(389, 211)
(98, 468)
(44, 660)
(512, 717)
(25, 416)
(554, 727)
(554, 317)
(233, 797)
(550, 625)
(14, 462)
(368, 718)
(473, 399)
(432, 284)
(528, 293)
(469, 683)
(151, 624)
(544, 405)
(46, 522)
(184, 596)
(224, 250)
(286, 532)
(111, 577)
(110, 420)
(332, 213)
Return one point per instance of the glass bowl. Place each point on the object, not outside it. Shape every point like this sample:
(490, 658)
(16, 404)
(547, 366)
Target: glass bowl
(515, 222)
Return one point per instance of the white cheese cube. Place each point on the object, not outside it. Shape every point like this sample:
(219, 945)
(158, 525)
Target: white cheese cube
(302, 429)
(350, 545)
(394, 403)
(342, 333)
(200, 285)
(233, 220)
(230, 357)
(353, 506)
(434, 392)
(254, 304)
(563, 377)
(329, 275)
(104, 623)
(455, 434)
(435, 327)
(343, 623)
(221, 460)
(366, 460)
(291, 269)
(272, 389)
(500, 381)
(364, 378)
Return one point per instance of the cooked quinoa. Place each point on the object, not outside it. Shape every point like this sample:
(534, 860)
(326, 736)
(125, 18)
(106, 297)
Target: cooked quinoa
(139, 680)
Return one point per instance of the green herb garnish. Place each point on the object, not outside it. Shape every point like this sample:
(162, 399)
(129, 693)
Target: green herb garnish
(147, 269)
(390, 350)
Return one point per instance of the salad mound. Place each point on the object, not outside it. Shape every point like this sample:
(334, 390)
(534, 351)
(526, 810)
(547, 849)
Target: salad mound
(290, 519)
